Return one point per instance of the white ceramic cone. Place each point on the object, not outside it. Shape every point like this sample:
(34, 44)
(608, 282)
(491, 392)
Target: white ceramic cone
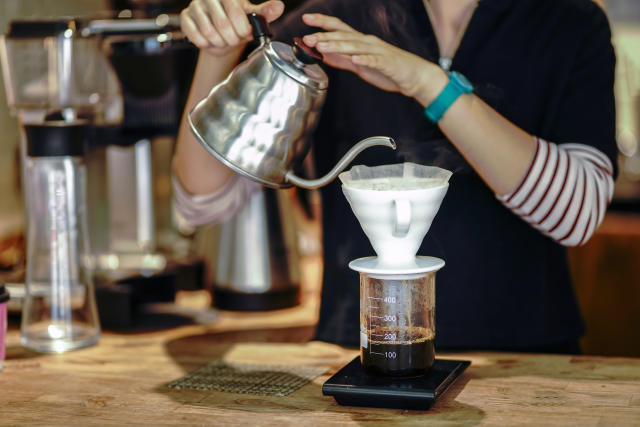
(396, 221)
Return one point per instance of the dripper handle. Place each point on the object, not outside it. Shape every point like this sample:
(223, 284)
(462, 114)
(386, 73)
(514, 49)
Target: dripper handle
(403, 217)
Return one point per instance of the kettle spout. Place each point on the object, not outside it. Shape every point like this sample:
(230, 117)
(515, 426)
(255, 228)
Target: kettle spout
(342, 164)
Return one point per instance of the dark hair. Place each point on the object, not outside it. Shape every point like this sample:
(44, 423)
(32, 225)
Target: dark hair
(389, 19)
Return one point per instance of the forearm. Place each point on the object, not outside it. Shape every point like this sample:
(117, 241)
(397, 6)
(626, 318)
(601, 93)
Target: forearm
(565, 191)
(499, 151)
(561, 190)
(198, 171)
(505, 156)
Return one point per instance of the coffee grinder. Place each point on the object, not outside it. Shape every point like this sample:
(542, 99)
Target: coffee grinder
(397, 367)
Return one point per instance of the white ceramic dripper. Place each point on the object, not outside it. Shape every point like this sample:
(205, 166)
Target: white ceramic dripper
(395, 205)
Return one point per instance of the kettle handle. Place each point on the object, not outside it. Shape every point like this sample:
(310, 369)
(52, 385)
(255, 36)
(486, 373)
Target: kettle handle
(304, 53)
(260, 28)
(311, 184)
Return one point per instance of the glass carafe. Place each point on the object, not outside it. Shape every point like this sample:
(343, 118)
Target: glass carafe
(397, 324)
(59, 313)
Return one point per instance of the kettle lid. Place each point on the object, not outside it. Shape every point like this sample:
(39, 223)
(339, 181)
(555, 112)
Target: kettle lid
(298, 63)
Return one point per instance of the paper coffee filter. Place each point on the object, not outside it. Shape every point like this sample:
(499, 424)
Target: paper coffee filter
(401, 176)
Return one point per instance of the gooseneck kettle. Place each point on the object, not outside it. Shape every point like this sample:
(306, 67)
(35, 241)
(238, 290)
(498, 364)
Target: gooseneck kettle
(259, 119)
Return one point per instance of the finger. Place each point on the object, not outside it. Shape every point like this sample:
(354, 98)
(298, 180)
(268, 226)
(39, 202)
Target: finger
(339, 61)
(221, 22)
(348, 47)
(329, 23)
(312, 39)
(238, 18)
(271, 10)
(371, 61)
(200, 16)
(190, 29)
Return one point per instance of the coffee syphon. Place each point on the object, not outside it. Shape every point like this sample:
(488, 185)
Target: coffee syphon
(395, 206)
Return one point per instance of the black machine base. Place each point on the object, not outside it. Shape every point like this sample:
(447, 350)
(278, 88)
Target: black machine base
(351, 386)
(241, 301)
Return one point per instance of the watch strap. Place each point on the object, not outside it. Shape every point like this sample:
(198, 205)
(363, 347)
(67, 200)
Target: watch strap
(457, 86)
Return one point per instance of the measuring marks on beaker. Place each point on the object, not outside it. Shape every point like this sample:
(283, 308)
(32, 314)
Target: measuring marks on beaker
(396, 325)
(396, 345)
(382, 325)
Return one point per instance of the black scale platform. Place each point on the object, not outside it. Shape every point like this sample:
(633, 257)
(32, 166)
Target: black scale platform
(351, 386)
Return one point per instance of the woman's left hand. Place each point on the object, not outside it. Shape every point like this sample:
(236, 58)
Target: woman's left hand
(374, 60)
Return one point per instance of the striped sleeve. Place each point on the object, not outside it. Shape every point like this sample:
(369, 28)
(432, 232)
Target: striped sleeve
(191, 210)
(565, 192)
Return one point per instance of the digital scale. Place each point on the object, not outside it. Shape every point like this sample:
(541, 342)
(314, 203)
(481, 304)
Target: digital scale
(351, 386)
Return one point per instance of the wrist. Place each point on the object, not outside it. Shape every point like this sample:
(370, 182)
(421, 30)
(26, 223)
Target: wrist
(457, 86)
(433, 81)
(229, 53)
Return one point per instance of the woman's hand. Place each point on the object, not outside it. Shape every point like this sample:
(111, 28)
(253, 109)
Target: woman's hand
(221, 26)
(375, 61)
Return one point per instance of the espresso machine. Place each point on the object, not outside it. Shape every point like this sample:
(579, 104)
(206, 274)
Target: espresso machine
(153, 64)
(128, 78)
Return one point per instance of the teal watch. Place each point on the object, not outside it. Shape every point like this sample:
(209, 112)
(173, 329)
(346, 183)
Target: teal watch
(458, 85)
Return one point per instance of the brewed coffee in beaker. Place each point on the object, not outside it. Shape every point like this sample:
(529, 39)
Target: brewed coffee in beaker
(397, 327)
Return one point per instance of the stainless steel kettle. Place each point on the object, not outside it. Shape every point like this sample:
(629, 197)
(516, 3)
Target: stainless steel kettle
(259, 119)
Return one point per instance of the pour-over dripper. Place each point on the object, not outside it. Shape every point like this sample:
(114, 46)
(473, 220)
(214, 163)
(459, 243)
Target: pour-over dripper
(395, 205)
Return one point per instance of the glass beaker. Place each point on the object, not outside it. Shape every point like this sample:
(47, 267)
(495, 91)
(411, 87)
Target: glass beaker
(59, 313)
(397, 324)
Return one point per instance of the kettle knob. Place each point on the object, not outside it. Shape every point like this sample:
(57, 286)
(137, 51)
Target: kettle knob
(259, 26)
(305, 53)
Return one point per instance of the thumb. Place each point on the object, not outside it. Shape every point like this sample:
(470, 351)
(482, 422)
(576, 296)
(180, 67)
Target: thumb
(271, 10)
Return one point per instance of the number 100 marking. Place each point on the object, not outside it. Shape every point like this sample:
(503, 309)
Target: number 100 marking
(390, 354)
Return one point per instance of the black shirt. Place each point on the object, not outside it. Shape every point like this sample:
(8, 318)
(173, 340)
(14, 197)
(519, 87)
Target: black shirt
(545, 65)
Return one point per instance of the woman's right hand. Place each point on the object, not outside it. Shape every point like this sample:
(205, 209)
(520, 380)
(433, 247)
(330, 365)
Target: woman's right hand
(221, 26)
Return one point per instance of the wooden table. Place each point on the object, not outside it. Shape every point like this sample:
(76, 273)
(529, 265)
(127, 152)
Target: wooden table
(122, 381)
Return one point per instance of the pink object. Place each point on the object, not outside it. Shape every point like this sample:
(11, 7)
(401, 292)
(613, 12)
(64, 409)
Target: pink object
(3, 330)
(4, 297)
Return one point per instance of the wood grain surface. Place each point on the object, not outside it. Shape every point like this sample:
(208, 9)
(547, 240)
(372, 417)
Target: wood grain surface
(123, 380)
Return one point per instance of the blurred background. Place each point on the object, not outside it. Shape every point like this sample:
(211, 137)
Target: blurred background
(137, 156)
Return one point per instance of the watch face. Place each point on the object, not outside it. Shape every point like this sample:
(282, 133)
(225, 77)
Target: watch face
(462, 81)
